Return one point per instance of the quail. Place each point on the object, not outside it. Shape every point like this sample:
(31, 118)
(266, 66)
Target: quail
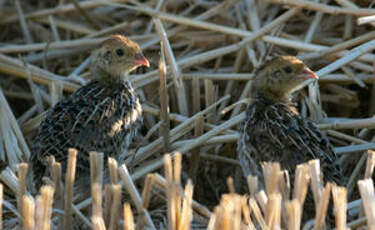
(102, 116)
(273, 131)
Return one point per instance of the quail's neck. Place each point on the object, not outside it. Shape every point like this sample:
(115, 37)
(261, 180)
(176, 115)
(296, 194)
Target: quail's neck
(270, 98)
(105, 77)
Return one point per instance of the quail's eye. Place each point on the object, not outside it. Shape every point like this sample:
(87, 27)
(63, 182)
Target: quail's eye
(120, 52)
(288, 69)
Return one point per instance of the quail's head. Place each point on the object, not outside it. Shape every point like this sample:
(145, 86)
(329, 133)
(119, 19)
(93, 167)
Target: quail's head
(278, 78)
(116, 57)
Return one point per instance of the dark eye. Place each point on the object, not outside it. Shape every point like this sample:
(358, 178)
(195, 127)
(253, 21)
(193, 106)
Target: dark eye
(288, 69)
(120, 52)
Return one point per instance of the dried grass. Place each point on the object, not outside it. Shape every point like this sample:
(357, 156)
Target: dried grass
(210, 49)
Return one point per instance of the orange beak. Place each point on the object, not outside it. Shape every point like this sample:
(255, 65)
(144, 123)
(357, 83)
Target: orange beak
(141, 60)
(308, 74)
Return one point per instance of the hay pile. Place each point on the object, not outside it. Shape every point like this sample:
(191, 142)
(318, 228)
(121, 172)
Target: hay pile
(193, 100)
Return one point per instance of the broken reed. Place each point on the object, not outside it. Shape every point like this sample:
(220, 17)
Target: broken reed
(344, 49)
(272, 208)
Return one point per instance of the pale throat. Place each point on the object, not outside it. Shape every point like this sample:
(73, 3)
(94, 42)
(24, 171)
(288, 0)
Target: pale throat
(100, 74)
(271, 95)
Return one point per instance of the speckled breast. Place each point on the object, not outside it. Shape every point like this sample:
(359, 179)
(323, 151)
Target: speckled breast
(101, 116)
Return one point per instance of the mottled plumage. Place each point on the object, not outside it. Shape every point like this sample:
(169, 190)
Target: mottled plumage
(274, 131)
(102, 116)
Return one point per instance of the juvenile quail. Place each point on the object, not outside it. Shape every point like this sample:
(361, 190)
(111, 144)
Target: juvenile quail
(102, 116)
(274, 131)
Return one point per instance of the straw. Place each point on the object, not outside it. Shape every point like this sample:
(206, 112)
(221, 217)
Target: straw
(115, 208)
(69, 181)
(339, 195)
(129, 184)
(179, 85)
(28, 213)
(22, 173)
(366, 188)
(211, 50)
(164, 99)
(325, 8)
(128, 217)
